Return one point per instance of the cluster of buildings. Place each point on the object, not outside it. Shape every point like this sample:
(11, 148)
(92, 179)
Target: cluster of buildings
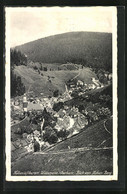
(80, 85)
(26, 104)
(70, 119)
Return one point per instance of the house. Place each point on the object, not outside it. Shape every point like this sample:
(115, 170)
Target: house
(61, 113)
(91, 86)
(64, 123)
(73, 112)
(95, 81)
(80, 83)
(110, 76)
(81, 120)
(24, 98)
(33, 106)
(25, 104)
(17, 103)
(72, 85)
(106, 75)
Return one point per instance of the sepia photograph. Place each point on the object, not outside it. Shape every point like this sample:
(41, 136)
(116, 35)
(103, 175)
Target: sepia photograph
(61, 93)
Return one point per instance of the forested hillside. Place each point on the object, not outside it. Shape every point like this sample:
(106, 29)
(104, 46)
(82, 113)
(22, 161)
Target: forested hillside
(92, 49)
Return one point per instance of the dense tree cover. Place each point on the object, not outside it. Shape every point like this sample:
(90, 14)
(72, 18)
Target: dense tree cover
(49, 119)
(35, 67)
(104, 97)
(75, 93)
(91, 49)
(18, 58)
(17, 87)
(50, 135)
(62, 134)
(58, 106)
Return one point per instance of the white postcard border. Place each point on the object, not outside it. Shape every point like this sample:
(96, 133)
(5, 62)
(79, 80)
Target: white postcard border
(7, 108)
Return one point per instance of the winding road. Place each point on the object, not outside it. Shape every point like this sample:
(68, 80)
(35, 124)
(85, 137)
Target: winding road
(77, 74)
(106, 128)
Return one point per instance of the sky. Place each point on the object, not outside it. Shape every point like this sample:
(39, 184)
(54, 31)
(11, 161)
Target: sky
(28, 24)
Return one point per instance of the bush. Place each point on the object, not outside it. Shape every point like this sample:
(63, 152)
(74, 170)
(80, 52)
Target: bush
(75, 94)
(103, 112)
(53, 139)
(27, 129)
(50, 135)
(58, 106)
(63, 134)
(17, 58)
(17, 87)
(56, 93)
(35, 67)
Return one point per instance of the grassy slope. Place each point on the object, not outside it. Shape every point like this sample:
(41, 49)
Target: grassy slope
(95, 48)
(55, 66)
(91, 137)
(76, 162)
(58, 79)
(73, 163)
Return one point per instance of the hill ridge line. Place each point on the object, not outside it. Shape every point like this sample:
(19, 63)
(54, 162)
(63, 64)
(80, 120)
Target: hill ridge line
(51, 36)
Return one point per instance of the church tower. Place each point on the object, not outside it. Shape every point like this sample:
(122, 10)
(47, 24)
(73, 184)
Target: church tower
(25, 103)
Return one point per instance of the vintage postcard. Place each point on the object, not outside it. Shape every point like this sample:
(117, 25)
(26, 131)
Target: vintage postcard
(61, 93)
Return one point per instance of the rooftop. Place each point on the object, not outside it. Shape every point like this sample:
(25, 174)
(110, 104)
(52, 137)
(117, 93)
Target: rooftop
(32, 106)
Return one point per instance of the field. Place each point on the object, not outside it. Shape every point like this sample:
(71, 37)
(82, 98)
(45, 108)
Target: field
(66, 163)
(89, 152)
(50, 80)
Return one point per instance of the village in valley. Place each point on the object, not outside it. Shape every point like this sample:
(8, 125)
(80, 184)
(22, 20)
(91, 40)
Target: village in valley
(61, 106)
(49, 120)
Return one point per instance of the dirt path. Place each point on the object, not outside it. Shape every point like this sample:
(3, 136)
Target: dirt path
(77, 74)
(19, 122)
(106, 128)
(74, 150)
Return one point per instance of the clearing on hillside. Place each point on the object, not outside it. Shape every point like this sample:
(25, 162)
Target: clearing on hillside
(51, 80)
